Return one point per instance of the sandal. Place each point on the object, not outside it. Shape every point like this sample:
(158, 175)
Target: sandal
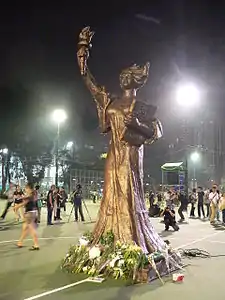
(19, 245)
(34, 248)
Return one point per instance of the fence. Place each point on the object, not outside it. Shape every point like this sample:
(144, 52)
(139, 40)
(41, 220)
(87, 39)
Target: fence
(91, 181)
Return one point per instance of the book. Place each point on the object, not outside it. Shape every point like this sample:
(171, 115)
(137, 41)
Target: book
(145, 114)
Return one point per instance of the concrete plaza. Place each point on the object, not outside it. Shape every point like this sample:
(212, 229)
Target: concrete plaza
(24, 274)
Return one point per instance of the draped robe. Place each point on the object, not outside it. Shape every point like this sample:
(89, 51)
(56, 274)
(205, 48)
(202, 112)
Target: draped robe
(123, 209)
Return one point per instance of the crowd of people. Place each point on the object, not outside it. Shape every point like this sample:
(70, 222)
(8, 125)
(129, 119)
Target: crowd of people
(27, 205)
(199, 203)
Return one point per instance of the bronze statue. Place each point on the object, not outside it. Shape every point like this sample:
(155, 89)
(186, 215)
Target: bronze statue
(131, 124)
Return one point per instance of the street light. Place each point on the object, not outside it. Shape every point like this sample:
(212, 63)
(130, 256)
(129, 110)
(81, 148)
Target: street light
(195, 156)
(59, 116)
(4, 151)
(69, 145)
(187, 95)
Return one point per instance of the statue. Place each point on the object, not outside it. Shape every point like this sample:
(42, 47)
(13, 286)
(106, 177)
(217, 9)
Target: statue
(131, 124)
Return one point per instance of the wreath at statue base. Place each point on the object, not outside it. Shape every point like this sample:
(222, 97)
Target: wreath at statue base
(119, 261)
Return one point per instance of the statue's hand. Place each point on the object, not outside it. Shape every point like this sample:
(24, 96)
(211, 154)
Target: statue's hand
(85, 37)
(84, 45)
(131, 121)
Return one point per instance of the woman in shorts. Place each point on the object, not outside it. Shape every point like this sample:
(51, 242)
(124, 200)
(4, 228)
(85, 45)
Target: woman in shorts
(29, 225)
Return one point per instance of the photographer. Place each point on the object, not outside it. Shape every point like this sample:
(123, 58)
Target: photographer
(77, 201)
(169, 219)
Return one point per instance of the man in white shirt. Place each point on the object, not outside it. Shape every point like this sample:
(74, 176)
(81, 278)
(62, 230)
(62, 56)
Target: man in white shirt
(214, 198)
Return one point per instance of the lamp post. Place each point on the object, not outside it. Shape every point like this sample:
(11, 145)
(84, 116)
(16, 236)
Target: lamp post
(195, 157)
(59, 116)
(187, 96)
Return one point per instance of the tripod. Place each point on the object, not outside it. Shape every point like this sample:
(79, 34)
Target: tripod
(72, 210)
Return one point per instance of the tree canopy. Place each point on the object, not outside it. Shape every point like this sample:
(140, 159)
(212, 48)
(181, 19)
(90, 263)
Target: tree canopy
(22, 132)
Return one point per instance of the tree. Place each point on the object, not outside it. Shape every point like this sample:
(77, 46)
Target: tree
(24, 135)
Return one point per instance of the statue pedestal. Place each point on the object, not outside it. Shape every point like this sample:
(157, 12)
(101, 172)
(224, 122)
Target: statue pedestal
(174, 265)
(148, 275)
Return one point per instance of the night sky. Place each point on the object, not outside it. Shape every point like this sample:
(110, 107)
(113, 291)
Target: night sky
(38, 54)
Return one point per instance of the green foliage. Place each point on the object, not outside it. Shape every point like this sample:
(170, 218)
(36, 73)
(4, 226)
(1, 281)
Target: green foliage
(109, 259)
(107, 239)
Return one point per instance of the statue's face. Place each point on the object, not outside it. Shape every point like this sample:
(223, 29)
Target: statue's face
(134, 77)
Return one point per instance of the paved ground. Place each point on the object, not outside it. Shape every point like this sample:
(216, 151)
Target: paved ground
(24, 274)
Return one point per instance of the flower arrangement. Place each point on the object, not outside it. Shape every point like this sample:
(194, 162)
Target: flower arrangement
(116, 260)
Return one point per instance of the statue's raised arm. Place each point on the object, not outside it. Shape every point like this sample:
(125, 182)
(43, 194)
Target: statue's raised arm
(84, 46)
(98, 92)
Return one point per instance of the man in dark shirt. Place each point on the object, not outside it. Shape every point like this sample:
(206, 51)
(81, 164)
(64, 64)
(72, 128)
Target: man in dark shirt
(201, 202)
(50, 205)
(169, 219)
(77, 201)
(182, 197)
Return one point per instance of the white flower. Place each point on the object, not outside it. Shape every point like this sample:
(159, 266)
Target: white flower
(94, 252)
(121, 263)
(83, 241)
(85, 269)
(113, 261)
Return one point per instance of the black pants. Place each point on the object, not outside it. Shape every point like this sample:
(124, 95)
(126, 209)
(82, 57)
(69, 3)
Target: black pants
(78, 207)
(207, 210)
(180, 211)
(58, 217)
(192, 212)
(171, 222)
(49, 215)
(201, 209)
(8, 205)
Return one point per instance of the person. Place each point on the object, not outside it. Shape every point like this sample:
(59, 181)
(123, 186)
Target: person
(169, 219)
(222, 207)
(201, 195)
(214, 198)
(183, 206)
(29, 225)
(10, 199)
(193, 200)
(77, 201)
(151, 199)
(207, 203)
(64, 198)
(18, 199)
(170, 199)
(38, 202)
(57, 204)
(50, 202)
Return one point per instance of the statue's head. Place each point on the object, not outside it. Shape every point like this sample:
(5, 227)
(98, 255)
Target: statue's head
(134, 77)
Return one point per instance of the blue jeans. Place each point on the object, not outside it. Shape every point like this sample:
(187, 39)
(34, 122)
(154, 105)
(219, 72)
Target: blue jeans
(218, 215)
(223, 215)
(49, 215)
